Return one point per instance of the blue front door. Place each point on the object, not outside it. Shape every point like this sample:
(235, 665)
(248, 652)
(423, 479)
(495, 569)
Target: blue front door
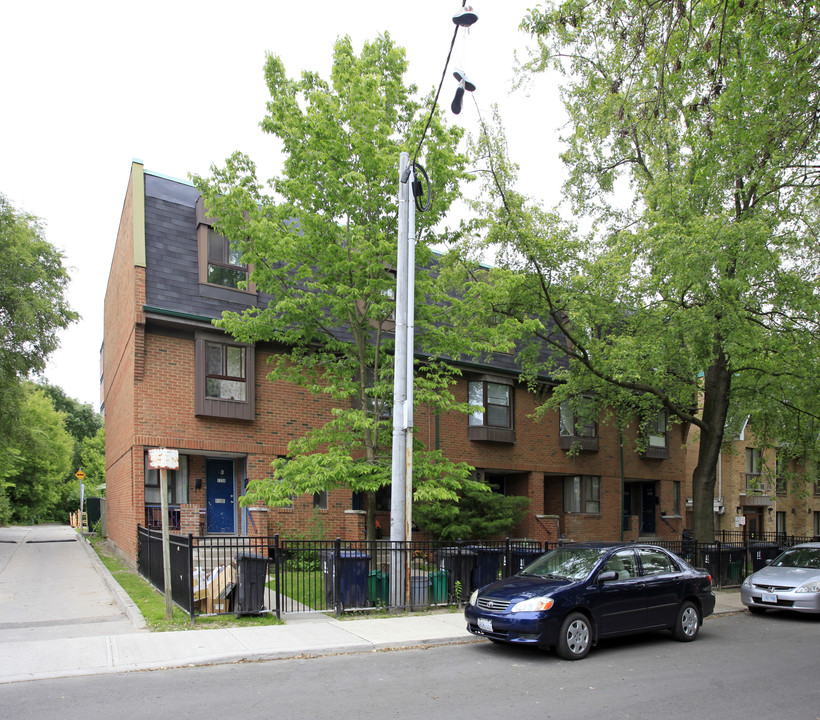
(220, 496)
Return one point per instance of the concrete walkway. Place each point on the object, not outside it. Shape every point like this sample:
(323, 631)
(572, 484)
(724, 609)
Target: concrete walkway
(53, 585)
(112, 638)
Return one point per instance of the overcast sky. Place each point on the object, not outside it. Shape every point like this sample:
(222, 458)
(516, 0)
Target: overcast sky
(90, 86)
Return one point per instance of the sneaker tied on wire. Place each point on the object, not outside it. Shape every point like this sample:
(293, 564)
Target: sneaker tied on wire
(464, 83)
(465, 17)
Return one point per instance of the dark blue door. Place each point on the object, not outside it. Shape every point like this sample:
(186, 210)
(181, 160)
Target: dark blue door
(648, 509)
(220, 496)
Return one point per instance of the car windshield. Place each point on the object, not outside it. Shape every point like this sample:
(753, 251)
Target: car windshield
(568, 563)
(799, 557)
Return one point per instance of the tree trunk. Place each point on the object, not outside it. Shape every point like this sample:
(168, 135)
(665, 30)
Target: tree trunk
(715, 408)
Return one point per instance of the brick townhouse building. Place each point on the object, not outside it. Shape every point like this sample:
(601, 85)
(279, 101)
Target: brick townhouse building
(170, 379)
(758, 492)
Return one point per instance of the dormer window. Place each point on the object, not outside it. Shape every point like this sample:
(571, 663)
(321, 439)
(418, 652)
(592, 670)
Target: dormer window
(222, 274)
(225, 266)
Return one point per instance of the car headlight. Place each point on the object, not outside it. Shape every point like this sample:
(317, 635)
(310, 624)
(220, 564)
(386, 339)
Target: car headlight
(536, 604)
(747, 583)
(810, 587)
(473, 598)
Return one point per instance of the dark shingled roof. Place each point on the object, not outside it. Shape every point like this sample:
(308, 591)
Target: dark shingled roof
(172, 274)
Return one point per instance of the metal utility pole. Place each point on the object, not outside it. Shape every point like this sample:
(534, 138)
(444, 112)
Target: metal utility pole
(401, 493)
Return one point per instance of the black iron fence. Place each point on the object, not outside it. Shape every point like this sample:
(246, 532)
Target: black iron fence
(244, 575)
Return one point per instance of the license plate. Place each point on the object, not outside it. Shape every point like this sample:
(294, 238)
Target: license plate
(769, 598)
(485, 624)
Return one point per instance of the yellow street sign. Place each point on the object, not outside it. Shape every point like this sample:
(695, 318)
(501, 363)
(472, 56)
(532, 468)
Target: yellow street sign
(79, 474)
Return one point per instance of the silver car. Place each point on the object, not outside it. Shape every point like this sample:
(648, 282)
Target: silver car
(790, 582)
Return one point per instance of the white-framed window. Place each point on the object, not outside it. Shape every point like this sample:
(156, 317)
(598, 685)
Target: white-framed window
(582, 494)
(177, 484)
(320, 500)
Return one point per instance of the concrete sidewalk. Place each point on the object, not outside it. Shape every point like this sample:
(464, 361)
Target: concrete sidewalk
(302, 635)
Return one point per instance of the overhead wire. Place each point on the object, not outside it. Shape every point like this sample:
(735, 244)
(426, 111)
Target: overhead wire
(417, 191)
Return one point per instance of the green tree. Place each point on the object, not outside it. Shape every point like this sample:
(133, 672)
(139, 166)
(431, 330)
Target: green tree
(38, 462)
(692, 153)
(475, 514)
(323, 245)
(83, 424)
(33, 307)
(81, 420)
(92, 461)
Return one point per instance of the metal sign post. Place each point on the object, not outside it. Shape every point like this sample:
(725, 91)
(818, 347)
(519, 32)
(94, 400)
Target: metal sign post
(164, 460)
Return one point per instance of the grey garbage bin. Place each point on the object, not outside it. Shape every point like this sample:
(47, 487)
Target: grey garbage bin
(252, 575)
(420, 590)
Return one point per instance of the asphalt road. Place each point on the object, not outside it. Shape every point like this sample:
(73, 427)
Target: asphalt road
(740, 667)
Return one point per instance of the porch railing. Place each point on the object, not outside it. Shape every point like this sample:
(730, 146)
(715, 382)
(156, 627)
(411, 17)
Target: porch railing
(153, 517)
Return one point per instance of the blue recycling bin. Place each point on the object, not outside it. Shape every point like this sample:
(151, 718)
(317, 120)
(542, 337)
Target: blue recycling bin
(487, 564)
(522, 556)
(353, 574)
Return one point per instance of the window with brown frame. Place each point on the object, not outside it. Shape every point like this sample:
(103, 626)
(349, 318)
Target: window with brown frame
(577, 425)
(224, 378)
(225, 266)
(494, 422)
(220, 261)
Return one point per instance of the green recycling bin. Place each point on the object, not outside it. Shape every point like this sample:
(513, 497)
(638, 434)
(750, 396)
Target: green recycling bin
(378, 588)
(438, 586)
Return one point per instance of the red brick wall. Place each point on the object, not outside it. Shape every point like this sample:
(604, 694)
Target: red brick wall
(149, 384)
(120, 332)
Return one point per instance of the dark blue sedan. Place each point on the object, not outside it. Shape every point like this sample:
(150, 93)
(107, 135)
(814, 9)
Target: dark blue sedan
(577, 594)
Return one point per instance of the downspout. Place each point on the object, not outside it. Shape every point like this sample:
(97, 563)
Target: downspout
(621, 444)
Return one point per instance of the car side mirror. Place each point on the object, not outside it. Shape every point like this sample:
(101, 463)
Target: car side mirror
(608, 576)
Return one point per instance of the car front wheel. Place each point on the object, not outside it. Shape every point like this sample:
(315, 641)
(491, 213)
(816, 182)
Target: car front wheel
(687, 623)
(575, 638)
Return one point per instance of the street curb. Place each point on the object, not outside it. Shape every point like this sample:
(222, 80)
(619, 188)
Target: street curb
(124, 601)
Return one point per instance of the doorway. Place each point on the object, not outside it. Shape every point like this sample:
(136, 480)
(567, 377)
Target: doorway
(754, 522)
(220, 503)
(640, 499)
